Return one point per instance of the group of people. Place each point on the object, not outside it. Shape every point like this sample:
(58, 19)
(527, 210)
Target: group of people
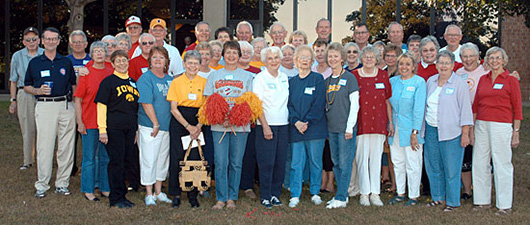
(333, 114)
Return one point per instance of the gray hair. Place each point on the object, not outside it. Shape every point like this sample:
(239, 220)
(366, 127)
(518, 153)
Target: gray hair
(349, 44)
(337, 47)
(144, 35)
(124, 36)
(426, 40)
(288, 46)
(98, 44)
(216, 42)
(301, 48)
(192, 54)
(244, 22)
(109, 37)
(259, 39)
(453, 26)
(246, 45)
(493, 50)
(371, 49)
(395, 23)
(200, 23)
(278, 24)
(379, 43)
(446, 53)
(469, 46)
(323, 19)
(273, 50)
(77, 32)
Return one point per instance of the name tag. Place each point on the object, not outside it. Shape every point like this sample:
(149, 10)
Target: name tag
(309, 90)
(342, 82)
(229, 77)
(411, 88)
(498, 86)
(144, 69)
(379, 86)
(465, 76)
(449, 91)
(85, 62)
(45, 73)
(272, 86)
(192, 96)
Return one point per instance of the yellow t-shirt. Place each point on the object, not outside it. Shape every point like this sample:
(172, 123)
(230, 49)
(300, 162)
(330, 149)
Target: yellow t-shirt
(186, 92)
(257, 64)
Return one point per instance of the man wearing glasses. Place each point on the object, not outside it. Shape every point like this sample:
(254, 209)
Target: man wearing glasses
(453, 36)
(21, 102)
(51, 78)
(133, 26)
(78, 43)
(139, 65)
(361, 35)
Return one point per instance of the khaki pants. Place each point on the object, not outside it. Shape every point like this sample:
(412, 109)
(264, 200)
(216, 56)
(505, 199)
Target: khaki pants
(26, 118)
(54, 119)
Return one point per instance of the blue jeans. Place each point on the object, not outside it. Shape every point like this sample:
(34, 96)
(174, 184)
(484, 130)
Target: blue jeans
(288, 159)
(342, 155)
(92, 147)
(300, 150)
(443, 162)
(270, 155)
(228, 160)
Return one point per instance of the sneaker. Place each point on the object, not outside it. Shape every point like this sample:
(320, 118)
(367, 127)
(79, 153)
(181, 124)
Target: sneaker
(337, 204)
(316, 199)
(150, 200)
(40, 194)
(162, 197)
(376, 200)
(330, 201)
(250, 194)
(364, 200)
(294, 202)
(275, 201)
(266, 203)
(62, 191)
(25, 167)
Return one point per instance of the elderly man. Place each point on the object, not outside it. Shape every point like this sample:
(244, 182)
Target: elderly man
(139, 65)
(202, 33)
(453, 36)
(21, 102)
(51, 78)
(244, 31)
(158, 29)
(78, 42)
(395, 35)
(278, 34)
(133, 26)
(323, 29)
(361, 35)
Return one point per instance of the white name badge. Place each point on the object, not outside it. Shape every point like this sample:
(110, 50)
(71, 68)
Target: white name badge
(449, 91)
(85, 62)
(498, 86)
(44, 73)
(192, 96)
(411, 88)
(309, 90)
(229, 77)
(342, 82)
(272, 86)
(144, 69)
(379, 86)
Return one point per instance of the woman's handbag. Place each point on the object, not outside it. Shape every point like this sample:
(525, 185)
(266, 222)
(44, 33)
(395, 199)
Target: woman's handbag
(194, 173)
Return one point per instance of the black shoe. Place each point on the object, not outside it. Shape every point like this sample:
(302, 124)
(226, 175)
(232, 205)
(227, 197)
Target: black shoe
(74, 171)
(194, 203)
(176, 202)
(95, 199)
(121, 205)
(129, 203)
(466, 196)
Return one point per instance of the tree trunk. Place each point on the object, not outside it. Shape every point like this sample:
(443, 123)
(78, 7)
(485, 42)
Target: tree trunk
(76, 15)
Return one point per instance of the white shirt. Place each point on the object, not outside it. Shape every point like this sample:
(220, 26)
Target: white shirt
(431, 117)
(289, 72)
(274, 93)
(205, 74)
(175, 61)
(456, 53)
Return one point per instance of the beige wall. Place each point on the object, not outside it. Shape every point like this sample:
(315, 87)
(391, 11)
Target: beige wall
(214, 11)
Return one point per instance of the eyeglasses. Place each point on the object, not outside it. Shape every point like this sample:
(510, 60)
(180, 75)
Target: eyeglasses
(468, 56)
(277, 32)
(31, 39)
(98, 51)
(429, 50)
(352, 51)
(158, 30)
(495, 58)
(444, 63)
(304, 58)
(134, 27)
(148, 42)
(453, 35)
(77, 42)
(390, 56)
(53, 39)
(123, 60)
(361, 32)
(368, 57)
(111, 44)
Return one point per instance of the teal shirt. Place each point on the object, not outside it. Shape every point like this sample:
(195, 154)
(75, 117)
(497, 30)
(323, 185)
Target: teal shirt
(153, 90)
(19, 65)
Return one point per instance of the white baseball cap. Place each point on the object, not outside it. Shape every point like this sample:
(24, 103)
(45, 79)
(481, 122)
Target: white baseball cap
(133, 20)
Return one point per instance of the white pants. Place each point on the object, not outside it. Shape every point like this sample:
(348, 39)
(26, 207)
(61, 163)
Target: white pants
(407, 167)
(154, 155)
(493, 142)
(368, 157)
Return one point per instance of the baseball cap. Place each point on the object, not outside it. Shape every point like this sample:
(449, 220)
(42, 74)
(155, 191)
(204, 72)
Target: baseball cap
(157, 22)
(133, 20)
(31, 29)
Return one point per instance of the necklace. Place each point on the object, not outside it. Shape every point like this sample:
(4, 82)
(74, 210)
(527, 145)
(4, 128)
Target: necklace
(330, 103)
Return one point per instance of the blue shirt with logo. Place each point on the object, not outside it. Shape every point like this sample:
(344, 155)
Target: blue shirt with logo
(153, 90)
(58, 70)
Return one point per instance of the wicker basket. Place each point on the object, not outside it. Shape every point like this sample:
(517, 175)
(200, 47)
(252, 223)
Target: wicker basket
(194, 173)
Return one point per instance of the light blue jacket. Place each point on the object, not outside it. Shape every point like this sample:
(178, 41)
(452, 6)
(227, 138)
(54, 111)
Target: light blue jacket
(408, 107)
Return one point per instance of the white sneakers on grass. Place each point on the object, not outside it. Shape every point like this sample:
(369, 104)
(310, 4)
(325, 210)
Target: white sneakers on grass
(376, 200)
(364, 200)
(294, 202)
(316, 199)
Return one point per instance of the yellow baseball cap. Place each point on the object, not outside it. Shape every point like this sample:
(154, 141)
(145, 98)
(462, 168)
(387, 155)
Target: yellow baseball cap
(157, 22)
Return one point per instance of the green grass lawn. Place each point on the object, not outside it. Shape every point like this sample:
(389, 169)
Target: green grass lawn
(19, 206)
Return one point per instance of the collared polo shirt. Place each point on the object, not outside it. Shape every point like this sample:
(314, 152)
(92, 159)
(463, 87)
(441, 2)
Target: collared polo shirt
(137, 67)
(19, 65)
(59, 70)
(274, 93)
(186, 92)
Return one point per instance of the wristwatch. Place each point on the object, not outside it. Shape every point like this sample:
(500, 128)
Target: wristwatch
(13, 100)
(516, 130)
(415, 131)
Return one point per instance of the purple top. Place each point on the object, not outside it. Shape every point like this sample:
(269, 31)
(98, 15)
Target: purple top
(454, 106)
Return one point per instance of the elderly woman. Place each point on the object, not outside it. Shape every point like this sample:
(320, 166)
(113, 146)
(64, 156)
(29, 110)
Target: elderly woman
(429, 48)
(448, 118)
(223, 34)
(342, 106)
(381, 47)
(153, 125)
(308, 129)
(497, 109)
(298, 38)
(86, 111)
(322, 67)
(217, 49)
(258, 44)
(124, 41)
(408, 107)
(247, 53)
(272, 87)
(186, 96)
(230, 82)
(117, 116)
(390, 55)
(287, 66)
(206, 55)
(375, 115)
(112, 43)
(352, 57)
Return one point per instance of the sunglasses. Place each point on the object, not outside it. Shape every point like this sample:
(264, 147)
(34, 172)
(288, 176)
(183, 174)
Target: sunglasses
(31, 39)
(148, 42)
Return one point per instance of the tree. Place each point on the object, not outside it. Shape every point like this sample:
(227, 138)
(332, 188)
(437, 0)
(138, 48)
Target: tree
(77, 12)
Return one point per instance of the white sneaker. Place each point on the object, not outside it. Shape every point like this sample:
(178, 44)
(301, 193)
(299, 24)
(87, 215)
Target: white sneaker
(364, 200)
(294, 202)
(330, 201)
(150, 200)
(162, 197)
(316, 200)
(337, 204)
(376, 200)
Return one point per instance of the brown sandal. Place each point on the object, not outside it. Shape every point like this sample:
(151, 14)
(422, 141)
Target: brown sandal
(230, 204)
(219, 205)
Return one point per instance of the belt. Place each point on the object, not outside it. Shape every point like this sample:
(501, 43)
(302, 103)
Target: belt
(52, 99)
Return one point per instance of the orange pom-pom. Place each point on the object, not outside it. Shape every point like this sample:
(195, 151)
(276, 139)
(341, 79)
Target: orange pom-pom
(253, 101)
(240, 114)
(202, 115)
(216, 109)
